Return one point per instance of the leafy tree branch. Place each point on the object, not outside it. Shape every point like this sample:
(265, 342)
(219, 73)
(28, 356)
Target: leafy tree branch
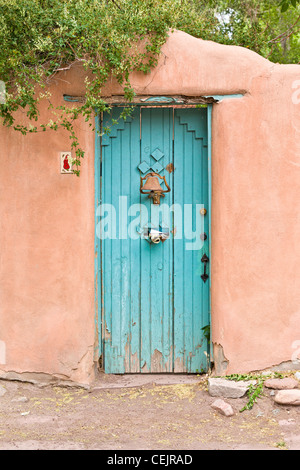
(42, 38)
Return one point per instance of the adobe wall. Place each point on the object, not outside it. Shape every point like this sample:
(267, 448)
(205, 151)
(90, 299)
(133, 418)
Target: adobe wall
(47, 321)
(47, 256)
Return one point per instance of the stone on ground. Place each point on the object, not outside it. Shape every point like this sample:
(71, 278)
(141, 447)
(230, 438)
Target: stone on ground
(288, 397)
(218, 387)
(20, 400)
(223, 407)
(2, 391)
(286, 383)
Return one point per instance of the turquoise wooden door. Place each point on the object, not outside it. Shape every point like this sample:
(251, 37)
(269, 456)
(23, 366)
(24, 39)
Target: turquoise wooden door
(154, 300)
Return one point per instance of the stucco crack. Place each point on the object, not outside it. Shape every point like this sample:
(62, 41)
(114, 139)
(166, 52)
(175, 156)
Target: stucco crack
(286, 366)
(157, 69)
(85, 370)
(37, 378)
(221, 363)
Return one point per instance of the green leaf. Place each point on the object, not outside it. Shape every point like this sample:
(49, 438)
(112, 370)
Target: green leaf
(284, 7)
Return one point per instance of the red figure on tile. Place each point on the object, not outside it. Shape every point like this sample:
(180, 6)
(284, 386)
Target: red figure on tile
(66, 163)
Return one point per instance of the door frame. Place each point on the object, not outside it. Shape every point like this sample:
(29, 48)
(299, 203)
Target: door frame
(98, 274)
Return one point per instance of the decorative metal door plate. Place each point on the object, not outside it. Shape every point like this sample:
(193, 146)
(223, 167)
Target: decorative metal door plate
(157, 154)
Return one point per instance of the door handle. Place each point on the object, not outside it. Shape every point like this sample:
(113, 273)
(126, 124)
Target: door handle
(204, 260)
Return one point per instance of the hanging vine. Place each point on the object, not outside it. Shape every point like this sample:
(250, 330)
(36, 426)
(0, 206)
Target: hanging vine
(41, 38)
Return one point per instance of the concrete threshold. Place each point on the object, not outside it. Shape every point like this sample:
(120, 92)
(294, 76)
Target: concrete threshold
(111, 381)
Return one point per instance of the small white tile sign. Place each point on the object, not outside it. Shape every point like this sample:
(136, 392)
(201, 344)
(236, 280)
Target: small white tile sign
(66, 162)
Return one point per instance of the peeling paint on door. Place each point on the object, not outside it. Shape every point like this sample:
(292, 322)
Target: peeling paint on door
(155, 302)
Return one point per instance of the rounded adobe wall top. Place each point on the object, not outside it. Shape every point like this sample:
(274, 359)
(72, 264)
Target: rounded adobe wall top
(187, 66)
(194, 67)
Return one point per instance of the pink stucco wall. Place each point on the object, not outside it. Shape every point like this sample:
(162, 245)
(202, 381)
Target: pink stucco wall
(47, 256)
(47, 219)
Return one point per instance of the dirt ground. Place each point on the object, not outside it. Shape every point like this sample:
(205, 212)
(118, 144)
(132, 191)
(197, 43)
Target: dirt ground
(131, 413)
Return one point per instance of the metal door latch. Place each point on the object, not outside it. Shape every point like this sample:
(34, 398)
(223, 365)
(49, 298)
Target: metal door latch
(204, 260)
(153, 234)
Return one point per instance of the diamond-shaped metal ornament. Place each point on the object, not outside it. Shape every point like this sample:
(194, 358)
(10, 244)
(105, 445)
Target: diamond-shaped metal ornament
(144, 167)
(157, 154)
(157, 167)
